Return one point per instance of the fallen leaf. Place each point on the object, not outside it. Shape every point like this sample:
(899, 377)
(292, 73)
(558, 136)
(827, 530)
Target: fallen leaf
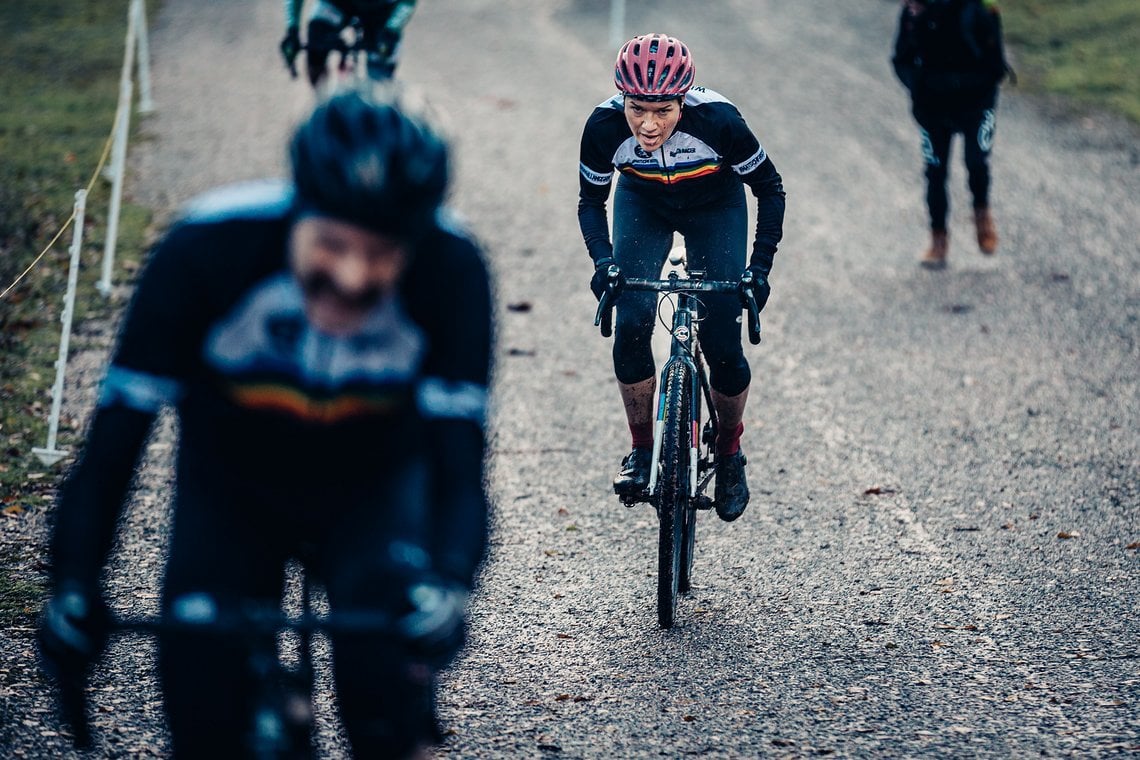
(688, 718)
(13, 510)
(1133, 546)
(879, 491)
(1068, 534)
(565, 636)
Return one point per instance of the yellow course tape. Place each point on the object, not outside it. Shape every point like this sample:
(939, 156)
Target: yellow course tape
(70, 219)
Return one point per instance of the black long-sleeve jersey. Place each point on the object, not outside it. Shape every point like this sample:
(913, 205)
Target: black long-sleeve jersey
(711, 151)
(217, 329)
(951, 55)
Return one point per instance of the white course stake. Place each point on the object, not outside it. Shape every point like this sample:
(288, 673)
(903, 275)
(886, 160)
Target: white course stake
(146, 104)
(118, 168)
(617, 23)
(49, 455)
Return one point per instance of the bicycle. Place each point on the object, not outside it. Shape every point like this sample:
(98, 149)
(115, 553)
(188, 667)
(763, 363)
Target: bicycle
(361, 60)
(281, 718)
(684, 452)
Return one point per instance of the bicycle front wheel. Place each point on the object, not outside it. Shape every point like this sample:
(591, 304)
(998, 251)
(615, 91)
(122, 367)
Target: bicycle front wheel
(673, 492)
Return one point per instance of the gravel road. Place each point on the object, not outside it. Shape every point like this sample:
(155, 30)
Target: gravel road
(940, 558)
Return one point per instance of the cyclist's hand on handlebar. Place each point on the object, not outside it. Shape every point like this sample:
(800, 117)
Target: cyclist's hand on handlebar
(606, 274)
(73, 630)
(435, 626)
(755, 281)
(291, 47)
(72, 635)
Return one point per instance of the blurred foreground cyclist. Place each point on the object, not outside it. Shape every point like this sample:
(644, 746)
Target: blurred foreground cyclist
(382, 23)
(326, 344)
(683, 155)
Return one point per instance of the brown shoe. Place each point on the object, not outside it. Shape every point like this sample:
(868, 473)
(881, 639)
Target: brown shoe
(987, 230)
(935, 257)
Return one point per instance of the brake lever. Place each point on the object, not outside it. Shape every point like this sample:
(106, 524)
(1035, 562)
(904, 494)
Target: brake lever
(73, 709)
(753, 310)
(605, 313)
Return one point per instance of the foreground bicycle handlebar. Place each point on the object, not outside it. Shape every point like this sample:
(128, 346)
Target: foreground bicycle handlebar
(249, 624)
(603, 318)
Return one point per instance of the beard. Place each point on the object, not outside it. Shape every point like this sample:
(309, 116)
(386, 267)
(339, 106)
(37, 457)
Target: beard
(319, 285)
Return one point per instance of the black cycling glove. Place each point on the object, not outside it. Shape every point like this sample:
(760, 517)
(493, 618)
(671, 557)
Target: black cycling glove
(291, 46)
(71, 637)
(601, 278)
(435, 626)
(758, 285)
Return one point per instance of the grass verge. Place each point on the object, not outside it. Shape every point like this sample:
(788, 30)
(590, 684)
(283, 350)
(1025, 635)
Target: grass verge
(61, 61)
(1087, 51)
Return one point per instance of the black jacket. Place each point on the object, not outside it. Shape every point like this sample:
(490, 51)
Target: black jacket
(949, 53)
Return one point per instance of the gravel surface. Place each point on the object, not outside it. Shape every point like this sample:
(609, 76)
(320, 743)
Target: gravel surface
(941, 554)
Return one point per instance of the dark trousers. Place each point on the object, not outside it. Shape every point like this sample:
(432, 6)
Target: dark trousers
(716, 237)
(234, 546)
(937, 127)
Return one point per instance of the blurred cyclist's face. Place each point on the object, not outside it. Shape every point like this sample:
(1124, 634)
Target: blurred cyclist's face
(651, 122)
(344, 271)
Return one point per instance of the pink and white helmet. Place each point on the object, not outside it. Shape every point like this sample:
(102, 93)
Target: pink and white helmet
(654, 67)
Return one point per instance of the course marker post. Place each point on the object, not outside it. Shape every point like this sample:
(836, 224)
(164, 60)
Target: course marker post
(49, 454)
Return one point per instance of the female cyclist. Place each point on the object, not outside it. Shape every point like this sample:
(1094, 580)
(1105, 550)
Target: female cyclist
(683, 155)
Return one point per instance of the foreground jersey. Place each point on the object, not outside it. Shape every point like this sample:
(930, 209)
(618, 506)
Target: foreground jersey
(217, 328)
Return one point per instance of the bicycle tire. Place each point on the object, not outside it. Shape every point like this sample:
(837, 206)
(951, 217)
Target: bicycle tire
(688, 547)
(673, 491)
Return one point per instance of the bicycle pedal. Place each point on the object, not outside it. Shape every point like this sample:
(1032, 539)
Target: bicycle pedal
(632, 500)
(703, 502)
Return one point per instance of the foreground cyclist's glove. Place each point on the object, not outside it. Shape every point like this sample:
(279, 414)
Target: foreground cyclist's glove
(73, 630)
(387, 43)
(435, 626)
(601, 277)
(291, 46)
(758, 285)
(72, 634)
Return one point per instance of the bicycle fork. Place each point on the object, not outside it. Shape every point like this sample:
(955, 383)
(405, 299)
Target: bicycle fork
(682, 336)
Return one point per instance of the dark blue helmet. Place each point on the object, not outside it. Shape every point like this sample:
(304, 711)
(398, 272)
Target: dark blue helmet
(365, 161)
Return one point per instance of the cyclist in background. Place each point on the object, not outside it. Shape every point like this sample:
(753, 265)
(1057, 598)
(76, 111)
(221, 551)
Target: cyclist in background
(326, 344)
(683, 155)
(950, 57)
(382, 22)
